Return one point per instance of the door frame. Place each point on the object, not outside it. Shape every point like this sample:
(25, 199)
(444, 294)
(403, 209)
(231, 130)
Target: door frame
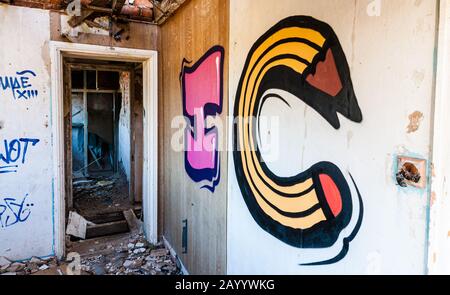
(438, 256)
(149, 60)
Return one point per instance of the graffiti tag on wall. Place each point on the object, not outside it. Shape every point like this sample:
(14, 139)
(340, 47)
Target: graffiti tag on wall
(14, 153)
(202, 91)
(14, 211)
(302, 56)
(19, 86)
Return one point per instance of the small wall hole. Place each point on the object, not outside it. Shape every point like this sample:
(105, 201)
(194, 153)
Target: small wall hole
(408, 173)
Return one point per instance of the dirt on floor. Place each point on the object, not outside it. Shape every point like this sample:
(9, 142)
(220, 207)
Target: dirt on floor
(127, 253)
(102, 194)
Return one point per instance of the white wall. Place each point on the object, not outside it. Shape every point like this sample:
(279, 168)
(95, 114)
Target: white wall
(391, 63)
(124, 124)
(439, 256)
(26, 230)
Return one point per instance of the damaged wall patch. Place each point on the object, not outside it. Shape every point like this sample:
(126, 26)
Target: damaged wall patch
(414, 121)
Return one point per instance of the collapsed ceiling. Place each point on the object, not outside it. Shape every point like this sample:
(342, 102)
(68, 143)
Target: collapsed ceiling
(151, 11)
(148, 11)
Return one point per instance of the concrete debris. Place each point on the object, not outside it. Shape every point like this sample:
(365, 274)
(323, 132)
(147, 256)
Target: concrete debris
(127, 263)
(4, 262)
(15, 267)
(37, 261)
(140, 250)
(105, 183)
(101, 194)
(77, 225)
(134, 257)
(33, 266)
(120, 259)
(44, 267)
(160, 252)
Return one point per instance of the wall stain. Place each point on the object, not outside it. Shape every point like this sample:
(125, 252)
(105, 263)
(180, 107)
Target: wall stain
(45, 54)
(414, 121)
(349, 138)
(433, 199)
(418, 77)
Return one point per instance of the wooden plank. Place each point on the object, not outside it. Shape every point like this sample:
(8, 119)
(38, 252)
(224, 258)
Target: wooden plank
(137, 135)
(75, 21)
(117, 6)
(99, 67)
(67, 110)
(132, 142)
(110, 216)
(106, 229)
(138, 35)
(189, 34)
(134, 224)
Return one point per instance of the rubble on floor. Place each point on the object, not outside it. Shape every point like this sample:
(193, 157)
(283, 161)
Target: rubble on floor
(122, 255)
(134, 256)
(32, 266)
(101, 194)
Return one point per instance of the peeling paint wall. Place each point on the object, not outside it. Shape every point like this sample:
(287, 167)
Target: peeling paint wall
(390, 52)
(124, 124)
(26, 169)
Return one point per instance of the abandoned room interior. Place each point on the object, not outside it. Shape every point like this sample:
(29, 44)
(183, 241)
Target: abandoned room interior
(169, 137)
(99, 141)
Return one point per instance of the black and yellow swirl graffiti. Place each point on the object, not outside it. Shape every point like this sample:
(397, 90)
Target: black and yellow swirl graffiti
(302, 56)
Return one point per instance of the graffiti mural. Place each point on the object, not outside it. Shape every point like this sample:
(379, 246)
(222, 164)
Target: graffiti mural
(302, 56)
(202, 92)
(15, 153)
(19, 86)
(14, 211)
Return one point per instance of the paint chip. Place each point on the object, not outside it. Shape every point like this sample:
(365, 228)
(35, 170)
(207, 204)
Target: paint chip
(433, 199)
(414, 121)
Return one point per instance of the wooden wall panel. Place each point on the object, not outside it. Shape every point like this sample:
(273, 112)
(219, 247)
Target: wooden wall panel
(195, 28)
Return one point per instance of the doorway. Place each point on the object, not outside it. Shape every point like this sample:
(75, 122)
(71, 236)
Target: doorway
(105, 101)
(90, 82)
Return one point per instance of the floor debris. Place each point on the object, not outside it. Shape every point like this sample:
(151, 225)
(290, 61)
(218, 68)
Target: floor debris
(77, 225)
(92, 195)
(134, 224)
(125, 254)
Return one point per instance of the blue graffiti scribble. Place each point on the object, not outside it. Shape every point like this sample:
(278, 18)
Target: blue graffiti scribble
(13, 211)
(8, 169)
(15, 153)
(19, 85)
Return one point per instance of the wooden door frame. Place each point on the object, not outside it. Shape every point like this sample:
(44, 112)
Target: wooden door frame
(149, 60)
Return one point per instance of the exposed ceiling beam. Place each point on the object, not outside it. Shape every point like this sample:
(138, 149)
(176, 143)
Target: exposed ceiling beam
(166, 8)
(117, 6)
(75, 21)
